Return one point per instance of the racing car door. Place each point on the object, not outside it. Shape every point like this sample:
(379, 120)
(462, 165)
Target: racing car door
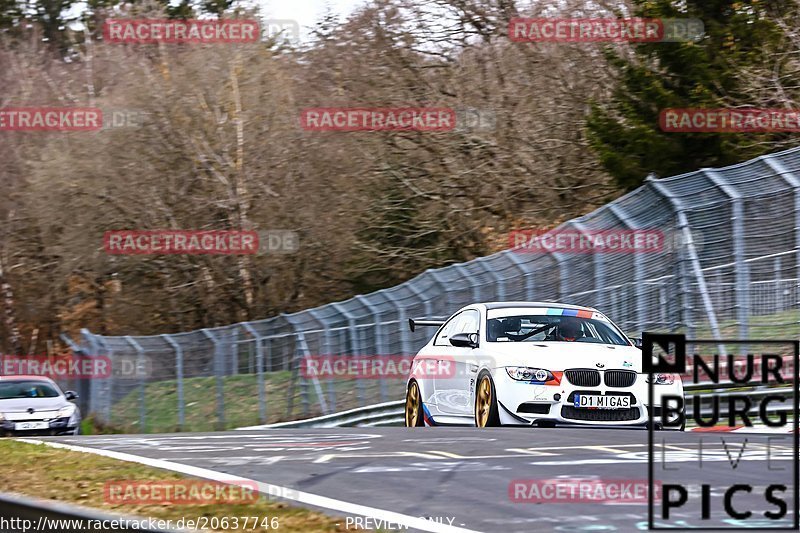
(452, 378)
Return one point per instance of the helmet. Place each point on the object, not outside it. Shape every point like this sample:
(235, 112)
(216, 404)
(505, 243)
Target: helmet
(512, 324)
(569, 328)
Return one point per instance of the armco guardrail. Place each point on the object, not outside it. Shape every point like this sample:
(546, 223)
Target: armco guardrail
(24, 514)
(387, 413)
(391, 413)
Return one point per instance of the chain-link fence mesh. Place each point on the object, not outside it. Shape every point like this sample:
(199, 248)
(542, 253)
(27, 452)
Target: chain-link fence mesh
(729, 267)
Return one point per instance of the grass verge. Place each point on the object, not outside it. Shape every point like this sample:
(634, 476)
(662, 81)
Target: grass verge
(241, 401)
(74, 477)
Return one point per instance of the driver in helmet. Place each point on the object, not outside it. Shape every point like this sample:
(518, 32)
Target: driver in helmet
(569, 329)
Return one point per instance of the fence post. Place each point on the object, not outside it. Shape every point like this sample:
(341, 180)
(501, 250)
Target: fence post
(234, 344)
(355, 345)
(683, 225)
(82, 385)
(794, 182)
(106, 399)
(739, 254)
(294, 368)
(527, 273)
(262, 402)
(499, 283)
(474, 289)
(380, 344)
(638, 268)
(446, 291)
(218, 373)
(425, 301)
(406, 348)
(402, 320)
(301, 337)
(178, 378)
(599, 271)
(79, 384)
(563, 275)
(326, 350)
(139, 364)
(685, 296)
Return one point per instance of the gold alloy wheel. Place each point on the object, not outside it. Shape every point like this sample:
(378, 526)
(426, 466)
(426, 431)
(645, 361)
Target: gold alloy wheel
(483, 402)
(413, 406)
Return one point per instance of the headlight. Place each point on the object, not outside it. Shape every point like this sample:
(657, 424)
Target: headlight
(663, 379)
(525, 373)
(67, 410)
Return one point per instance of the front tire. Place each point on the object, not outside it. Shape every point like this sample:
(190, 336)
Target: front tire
(414, 414)
(486, 413)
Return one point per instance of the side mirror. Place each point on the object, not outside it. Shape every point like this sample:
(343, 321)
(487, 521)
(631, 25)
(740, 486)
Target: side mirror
(465, 340)
(637, 341)
(70, 395)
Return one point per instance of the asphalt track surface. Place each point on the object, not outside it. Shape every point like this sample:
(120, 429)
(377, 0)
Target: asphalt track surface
(462, 475)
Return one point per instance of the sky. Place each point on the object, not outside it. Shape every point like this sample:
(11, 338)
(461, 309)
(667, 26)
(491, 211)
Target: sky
(307, 12)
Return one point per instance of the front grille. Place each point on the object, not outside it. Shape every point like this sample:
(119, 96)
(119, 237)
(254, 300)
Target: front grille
(620, 378)
(600, 415)
(583, 378)
(534, 408)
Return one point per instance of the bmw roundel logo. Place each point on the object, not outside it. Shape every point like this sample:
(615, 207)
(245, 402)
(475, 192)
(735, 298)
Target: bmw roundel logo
(540, 375)
(599, 365)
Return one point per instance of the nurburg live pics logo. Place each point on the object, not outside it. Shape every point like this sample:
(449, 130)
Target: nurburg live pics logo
(772, 503)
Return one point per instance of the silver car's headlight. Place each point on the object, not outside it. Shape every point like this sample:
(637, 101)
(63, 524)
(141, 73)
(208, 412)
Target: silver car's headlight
(67, 410)
(526, 373)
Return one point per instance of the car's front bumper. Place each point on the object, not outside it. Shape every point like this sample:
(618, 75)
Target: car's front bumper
(56, 426)
(526, 403)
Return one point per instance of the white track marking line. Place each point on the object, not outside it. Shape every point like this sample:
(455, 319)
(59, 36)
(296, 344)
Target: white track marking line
(268, 488)
(608, 449)
(530, 451)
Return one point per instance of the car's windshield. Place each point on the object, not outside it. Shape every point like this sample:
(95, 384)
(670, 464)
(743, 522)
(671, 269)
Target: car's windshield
(544, 327)
(26, 389)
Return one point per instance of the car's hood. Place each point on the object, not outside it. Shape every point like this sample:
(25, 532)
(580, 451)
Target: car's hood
(564, 355)
(16, 405)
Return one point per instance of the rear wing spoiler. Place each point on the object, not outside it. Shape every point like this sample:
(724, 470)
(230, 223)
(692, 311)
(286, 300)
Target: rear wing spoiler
(414, 322)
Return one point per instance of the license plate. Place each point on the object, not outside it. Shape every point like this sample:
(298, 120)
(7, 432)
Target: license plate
(593, 401)
(21, 426)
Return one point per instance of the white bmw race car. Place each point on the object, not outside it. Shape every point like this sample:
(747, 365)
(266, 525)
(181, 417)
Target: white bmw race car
(532, 364)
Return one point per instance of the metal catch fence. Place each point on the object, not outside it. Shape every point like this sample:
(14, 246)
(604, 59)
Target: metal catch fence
(728, 268)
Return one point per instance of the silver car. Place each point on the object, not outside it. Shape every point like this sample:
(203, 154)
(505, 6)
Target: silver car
(35, 405)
